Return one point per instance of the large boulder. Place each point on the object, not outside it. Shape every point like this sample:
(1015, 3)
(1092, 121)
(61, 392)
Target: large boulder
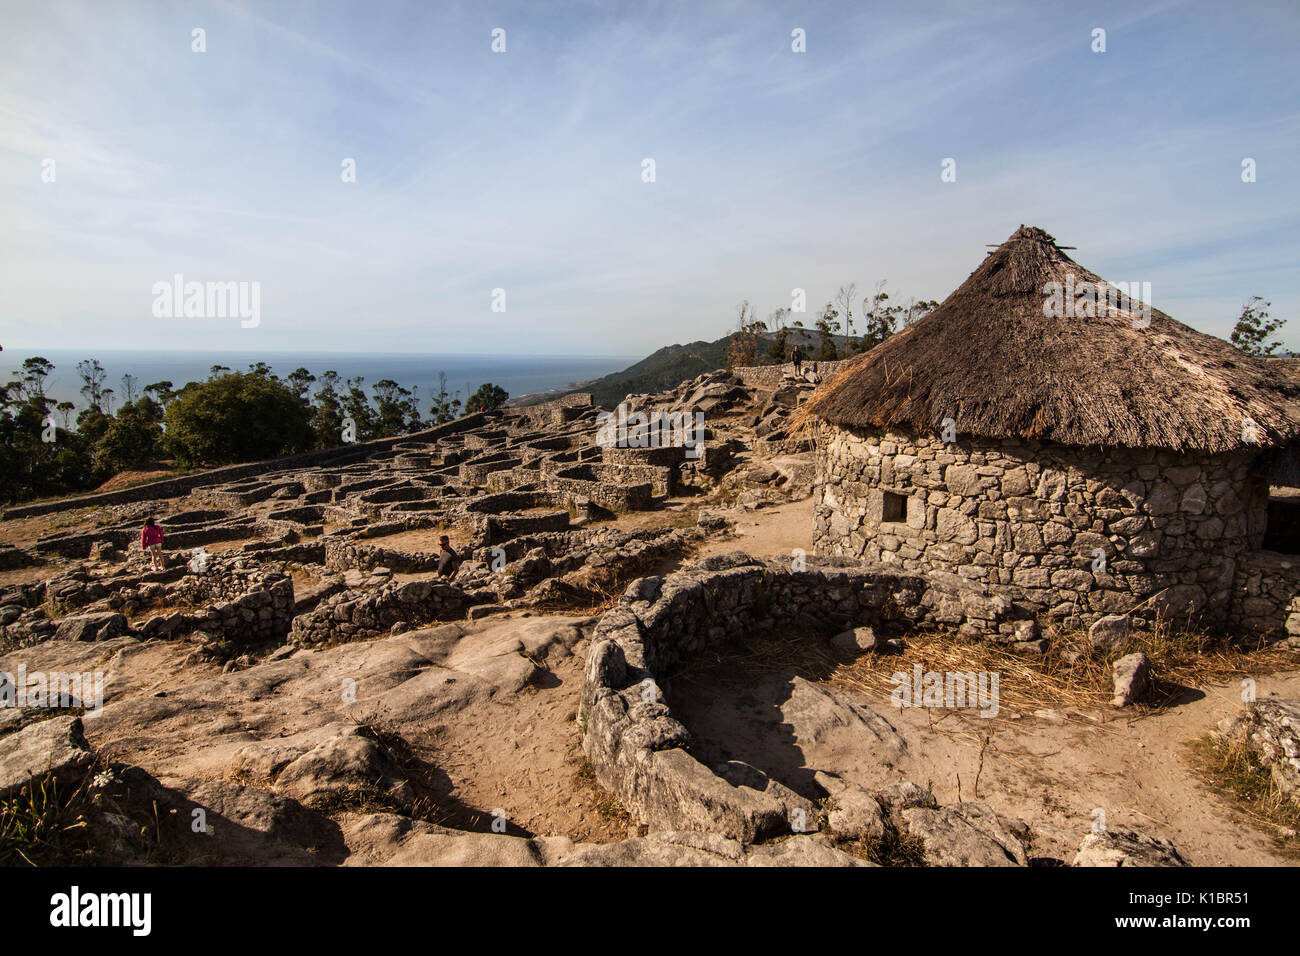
(854, 813)
(817, 716)
(855, 642)
(1123, 847)
(904, 796)
(100, 626)
(349, 761)
(966, 834)
(57, 746)
(1110, 633)
(1132, 676)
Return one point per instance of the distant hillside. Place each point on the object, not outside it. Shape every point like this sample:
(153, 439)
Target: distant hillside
(674, 364)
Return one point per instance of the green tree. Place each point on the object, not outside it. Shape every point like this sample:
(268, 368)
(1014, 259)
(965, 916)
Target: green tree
(445, 407)
(32, 382)
(131, 438)
(161, 392)
(488, 398)
(327, 412)
(357, 407)
(918, 309)
(36, 457)
(301, 380)
(92, 423)
(397, 411)
(1254, 326)
(242, 416)
(828, 326)
(92, 383)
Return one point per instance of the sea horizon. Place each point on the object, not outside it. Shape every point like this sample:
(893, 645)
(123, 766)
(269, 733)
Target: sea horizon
(520, 375)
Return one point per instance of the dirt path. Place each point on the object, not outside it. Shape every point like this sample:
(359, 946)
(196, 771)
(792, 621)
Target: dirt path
(768, 531)
(1057, 777)
(1059, 772)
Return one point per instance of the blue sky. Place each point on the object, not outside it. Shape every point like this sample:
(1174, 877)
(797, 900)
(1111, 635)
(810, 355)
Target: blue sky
(522, 170)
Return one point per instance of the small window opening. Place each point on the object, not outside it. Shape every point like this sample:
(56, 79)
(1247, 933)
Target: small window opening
(895, 507)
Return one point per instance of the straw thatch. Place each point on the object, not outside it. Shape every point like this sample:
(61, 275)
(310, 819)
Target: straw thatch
(990, 359)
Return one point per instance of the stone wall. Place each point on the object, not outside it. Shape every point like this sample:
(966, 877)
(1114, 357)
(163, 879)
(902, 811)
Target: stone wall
(769, 376)
(1036, 521)
(262, 614)
(354, 615)
(591, 483)
(346, 555)
(178, 487)
(641, 753)
(513, 478)
(232, 601)
(556, 412)
(1266, 595)
(476, 470)
(493, 529)
(662, 481)
(12, 558)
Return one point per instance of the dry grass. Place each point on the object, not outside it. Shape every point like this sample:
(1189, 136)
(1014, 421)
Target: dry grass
(1228, 767)
(600, 588)
(371, 799)
(601, 800)
(895, 848)
(1180, 660)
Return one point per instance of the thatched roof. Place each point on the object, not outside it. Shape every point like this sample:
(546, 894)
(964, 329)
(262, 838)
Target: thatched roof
(992, 360)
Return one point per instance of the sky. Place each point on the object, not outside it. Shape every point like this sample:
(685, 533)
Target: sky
(524, 171)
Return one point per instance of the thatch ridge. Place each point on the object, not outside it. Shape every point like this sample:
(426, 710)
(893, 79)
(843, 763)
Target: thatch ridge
(990, 359)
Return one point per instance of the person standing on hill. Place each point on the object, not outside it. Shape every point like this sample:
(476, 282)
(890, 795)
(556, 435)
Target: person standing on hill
(151, 543)
(796, 357)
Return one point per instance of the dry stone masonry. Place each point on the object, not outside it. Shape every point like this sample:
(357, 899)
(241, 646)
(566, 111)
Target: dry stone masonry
(642, 753)
(1076, 533)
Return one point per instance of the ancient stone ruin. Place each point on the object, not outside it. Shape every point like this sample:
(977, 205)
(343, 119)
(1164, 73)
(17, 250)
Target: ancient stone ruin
(301, 672)
(1100, 462)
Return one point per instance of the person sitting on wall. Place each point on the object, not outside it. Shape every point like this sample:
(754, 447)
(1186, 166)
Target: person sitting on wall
(448, 560)
(151, 543)
(796, 357)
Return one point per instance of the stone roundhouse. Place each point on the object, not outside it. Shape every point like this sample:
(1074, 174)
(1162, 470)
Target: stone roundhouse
(1097, 462)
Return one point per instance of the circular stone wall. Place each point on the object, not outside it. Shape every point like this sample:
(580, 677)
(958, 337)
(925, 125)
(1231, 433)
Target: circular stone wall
(642, 753)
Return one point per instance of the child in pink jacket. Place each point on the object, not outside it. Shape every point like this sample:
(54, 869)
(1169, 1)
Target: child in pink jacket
(151, 542)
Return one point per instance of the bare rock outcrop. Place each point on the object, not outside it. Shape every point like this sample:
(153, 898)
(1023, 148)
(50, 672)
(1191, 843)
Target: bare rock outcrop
(1122, 847)
(389, 840)
(56, 745)
(966, 834)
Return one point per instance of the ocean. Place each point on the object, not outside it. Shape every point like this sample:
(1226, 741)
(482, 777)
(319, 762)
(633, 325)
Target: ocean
(519, 375)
